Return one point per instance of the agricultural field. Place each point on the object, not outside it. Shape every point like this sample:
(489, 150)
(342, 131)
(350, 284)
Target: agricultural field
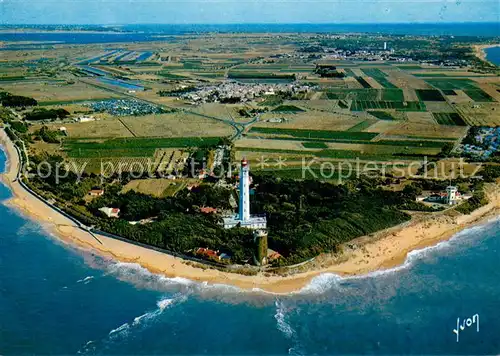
(366, 94)
(429, 95)
(478, 95)
(398, 105)
(178, 124)
(431, 131)
(451, 84)
(55, 93)
(483, 114)
(109, 128)
(382, 115)
(157, 187)
(379, 76)
(449, 119)
(316, 134)
(381, 110)
(131, 147)
(317, 119)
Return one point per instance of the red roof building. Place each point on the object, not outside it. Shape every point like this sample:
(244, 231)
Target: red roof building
(205, 252)
(208, 210)
(96, 192)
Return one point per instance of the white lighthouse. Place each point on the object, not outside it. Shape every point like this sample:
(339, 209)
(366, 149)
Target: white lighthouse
(244, 191)
(451, 195)
(244, 218)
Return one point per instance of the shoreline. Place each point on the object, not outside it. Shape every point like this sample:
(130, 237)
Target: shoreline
(381, 251)
(480, 51)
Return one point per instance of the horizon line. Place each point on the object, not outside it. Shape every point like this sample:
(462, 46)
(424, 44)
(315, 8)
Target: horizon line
(252, 23)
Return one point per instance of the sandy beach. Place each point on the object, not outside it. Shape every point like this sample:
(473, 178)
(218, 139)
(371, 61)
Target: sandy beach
(384, 250)
(480, 51)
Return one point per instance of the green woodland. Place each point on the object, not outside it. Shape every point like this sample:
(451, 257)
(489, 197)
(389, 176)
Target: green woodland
(305, 218)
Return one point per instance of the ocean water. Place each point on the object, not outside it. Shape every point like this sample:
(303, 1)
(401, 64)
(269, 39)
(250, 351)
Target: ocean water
(57, 300)
(493, 55)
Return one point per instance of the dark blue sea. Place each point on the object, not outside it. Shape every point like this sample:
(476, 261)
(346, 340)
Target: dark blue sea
(493, 55)
(57, 300)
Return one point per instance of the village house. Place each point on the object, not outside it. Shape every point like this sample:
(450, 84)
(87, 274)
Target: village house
(110, 212)
(96, 192)
(208, 210)
(273, 255)
(212, 255)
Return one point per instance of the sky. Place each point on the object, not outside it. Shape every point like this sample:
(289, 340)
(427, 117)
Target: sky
(245, 11)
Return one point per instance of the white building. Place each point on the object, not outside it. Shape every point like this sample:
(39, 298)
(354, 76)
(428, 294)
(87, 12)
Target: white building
(110, 212)
(244, 218)
(451, 195)
(85, 119)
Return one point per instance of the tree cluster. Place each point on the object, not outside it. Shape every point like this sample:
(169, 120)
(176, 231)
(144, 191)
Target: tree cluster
(44, 114)
(325, 71)
(9, 100)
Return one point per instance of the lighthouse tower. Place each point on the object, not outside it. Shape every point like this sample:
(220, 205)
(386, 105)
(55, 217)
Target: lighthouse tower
(244, 218)
(244, 191)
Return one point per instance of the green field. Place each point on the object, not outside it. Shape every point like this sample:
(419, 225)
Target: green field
(349, 72)
(12, 78)
(431, 75)
(314, 144)
(451, 84)
(353, 94)
(361, 126)
(382, 115)
(366, 94)
(410, 67)
(449, 119)
(363, 82)
(379, 76)
(318, 134)
(287, 109)
(398, 105)
(410, 143)
(169, 75)
(334, 154)
(131, 147)
(478, 95)
(271, 100)
(429, 95)
(426, 143)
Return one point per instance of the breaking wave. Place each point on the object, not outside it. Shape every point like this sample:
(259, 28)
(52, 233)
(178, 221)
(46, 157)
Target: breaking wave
(138, 323)
(327, 281)
(141, 277)
(121, 328)
(85, 280)
(281, 320)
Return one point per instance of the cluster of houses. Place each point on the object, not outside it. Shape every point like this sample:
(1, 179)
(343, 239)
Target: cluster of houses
(488, 142)
(240, 92)
(125, 107)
